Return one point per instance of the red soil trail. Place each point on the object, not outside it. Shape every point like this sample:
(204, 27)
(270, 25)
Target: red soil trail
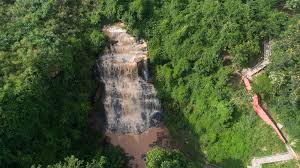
(261, 112)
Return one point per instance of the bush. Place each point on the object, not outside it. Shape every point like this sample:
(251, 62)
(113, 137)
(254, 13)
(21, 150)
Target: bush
(162, 158)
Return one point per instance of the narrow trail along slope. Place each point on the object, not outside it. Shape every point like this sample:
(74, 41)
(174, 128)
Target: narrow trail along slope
(250, 72)
(261, 112)
(246, 76)
(257, 162)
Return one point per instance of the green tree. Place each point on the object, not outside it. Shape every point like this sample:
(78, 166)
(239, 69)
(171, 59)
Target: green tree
(293, 5)
(262, 84)
(47, 50)
(73, 162)
(283, 75)
(107, 157)
(188, 42)
(162, 158)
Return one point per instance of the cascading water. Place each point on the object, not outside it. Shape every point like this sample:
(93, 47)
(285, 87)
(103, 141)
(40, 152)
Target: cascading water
(130, 101)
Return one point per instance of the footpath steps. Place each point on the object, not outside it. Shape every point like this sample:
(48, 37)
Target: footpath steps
(258, 162)
(250, 72)
(247, 75)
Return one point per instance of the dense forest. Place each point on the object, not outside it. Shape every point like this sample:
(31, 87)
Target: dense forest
(47, 50)
(196, 49)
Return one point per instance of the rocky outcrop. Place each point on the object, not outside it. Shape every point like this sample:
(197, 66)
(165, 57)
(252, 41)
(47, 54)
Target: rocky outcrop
(130, 101)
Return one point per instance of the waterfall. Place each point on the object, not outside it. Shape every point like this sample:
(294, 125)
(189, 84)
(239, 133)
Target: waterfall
(130, 101)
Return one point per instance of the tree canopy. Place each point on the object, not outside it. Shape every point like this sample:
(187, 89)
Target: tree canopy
(162, 158)
(205, 106)
(280, 85)
(47, 52)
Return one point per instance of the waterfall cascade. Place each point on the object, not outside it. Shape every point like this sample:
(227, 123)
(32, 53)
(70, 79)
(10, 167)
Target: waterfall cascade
(130, 101)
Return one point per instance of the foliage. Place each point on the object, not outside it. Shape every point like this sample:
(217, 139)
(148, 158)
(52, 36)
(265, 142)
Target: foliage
(262, 84)
(108, 158)
(282, 79)
(72, 162)
(47, 50)
(162, 158)
(293, 4)
(202, 99)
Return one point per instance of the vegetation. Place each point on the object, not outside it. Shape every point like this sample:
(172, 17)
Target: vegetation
(293, 5)
(47, 50)
(73, 162)
(108, 158)
(201, 96)
(162, 158)
(280, 86)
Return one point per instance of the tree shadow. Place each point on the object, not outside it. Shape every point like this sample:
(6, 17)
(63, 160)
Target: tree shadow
(183, 137)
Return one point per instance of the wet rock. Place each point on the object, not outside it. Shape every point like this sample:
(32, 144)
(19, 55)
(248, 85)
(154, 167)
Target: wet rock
(143, 70)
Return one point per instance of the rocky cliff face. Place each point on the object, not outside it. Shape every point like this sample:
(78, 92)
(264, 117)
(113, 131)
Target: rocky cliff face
(130, 101)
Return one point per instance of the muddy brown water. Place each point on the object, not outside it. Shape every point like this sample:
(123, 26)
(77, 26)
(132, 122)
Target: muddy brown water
(137, 145)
